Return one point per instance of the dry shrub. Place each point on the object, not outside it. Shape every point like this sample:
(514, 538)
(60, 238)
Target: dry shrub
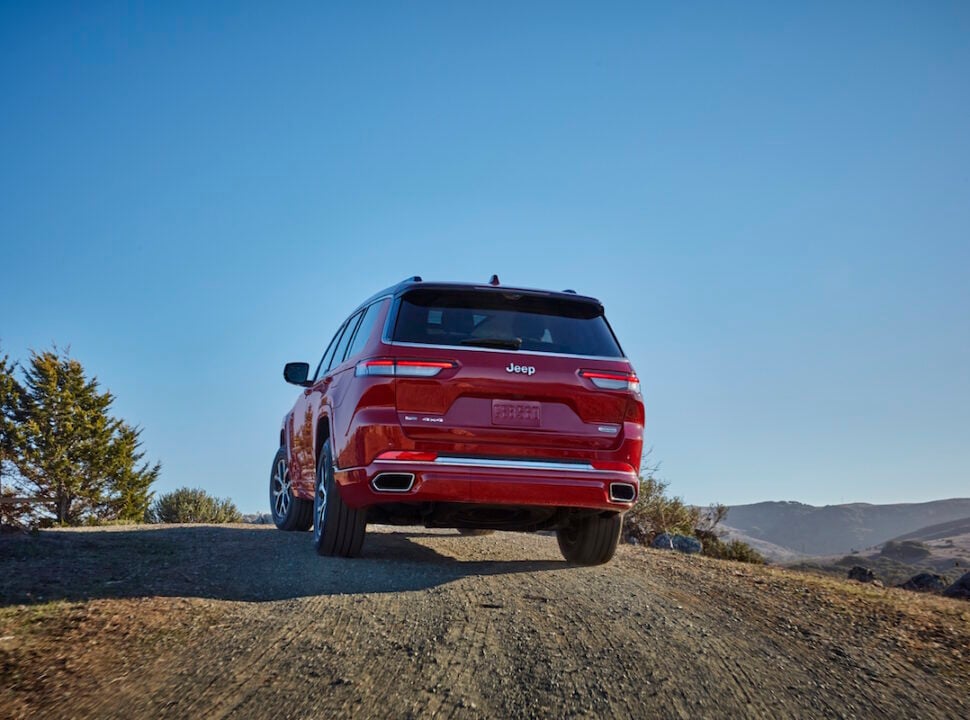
(192, 505)
(655, 512)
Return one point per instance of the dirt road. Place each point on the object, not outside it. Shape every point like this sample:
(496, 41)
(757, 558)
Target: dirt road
(242, 621)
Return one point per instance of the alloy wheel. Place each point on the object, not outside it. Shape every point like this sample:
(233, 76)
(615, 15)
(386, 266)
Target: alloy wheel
(281, 489)
(320, 507)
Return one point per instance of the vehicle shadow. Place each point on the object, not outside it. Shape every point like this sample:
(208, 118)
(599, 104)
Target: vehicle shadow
(228, 563)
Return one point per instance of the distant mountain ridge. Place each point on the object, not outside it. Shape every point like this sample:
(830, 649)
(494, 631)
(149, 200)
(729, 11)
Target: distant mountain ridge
(953, 529)
(834, 529)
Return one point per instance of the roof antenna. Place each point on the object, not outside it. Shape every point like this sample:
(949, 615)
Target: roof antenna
(494, 280)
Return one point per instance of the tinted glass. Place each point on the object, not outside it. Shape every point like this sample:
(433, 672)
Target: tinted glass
(364, 329)
(327, 354)
(338, 355)
(504, 320)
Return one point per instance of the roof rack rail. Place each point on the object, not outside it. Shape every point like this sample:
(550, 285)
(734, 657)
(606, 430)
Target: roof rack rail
(413, 278)
(571, 292)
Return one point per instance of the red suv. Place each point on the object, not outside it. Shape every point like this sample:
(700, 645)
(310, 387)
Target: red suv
(476, 407)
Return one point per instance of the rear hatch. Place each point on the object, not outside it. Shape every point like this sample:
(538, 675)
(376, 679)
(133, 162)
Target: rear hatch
(521, 369)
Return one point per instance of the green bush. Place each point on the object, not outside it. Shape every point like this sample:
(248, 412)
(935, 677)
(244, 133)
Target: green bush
(192, 505)
(655, 512)
(736, 550)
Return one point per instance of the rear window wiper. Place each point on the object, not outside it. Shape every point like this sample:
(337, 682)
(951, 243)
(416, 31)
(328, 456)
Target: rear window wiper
(494, 342)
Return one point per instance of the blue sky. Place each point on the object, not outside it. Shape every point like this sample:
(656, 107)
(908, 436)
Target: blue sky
(772, 201)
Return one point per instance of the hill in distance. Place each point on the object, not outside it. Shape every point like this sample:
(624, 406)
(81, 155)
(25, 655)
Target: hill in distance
(800, 529)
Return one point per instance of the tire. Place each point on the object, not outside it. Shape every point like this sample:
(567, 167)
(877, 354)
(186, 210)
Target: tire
(290, 513)
(591, 540)
(474, 532)
(337, 529)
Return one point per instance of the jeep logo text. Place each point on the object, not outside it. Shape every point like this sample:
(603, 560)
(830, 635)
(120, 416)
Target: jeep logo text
(524, 369)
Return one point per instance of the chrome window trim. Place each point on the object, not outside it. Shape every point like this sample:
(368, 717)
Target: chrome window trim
(473, 348)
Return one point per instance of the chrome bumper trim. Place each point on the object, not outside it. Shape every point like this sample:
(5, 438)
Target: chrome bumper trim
(458, 461)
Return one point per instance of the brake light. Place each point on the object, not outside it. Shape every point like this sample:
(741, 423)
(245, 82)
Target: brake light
(403, 368)
(407, 456)
(612, 380)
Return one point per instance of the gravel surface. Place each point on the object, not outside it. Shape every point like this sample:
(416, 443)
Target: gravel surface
(242, 621)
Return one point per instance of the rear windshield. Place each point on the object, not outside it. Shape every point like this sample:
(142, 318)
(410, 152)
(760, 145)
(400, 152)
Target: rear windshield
(506, 321)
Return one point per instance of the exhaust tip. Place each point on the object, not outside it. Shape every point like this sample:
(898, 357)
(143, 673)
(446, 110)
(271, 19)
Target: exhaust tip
(622, 492)
(393, 482)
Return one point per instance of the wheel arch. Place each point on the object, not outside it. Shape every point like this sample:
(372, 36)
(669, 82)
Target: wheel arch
(321, 435)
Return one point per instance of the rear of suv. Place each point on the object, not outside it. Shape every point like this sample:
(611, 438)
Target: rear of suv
(476, 407)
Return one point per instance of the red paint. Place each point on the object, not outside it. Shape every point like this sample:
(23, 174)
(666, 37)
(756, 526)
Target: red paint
(403, 408)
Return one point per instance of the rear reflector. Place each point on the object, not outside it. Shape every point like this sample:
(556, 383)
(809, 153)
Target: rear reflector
(403, 368)
(611, 466)
(612, 380)
(407, 456)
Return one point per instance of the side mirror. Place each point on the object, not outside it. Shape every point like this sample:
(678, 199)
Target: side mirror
(296, 373)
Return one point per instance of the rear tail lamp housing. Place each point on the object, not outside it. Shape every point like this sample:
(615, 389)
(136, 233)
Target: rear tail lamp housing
(607, 380)
(402, 368)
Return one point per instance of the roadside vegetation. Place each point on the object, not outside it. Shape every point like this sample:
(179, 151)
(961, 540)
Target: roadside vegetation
(64, 458)
(893, 564)
(657, 512)
(192, 505)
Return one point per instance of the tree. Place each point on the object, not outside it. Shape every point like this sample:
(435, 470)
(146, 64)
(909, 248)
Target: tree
(66, 449)
(10, 394)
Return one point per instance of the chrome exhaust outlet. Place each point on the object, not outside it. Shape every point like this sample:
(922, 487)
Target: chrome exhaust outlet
(622, 492)
(393, 482)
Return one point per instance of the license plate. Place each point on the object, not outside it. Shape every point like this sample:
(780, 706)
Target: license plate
(516, 414)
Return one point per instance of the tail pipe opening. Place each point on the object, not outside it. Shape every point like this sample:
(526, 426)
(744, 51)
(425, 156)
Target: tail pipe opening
(622, 492)
(393, 482)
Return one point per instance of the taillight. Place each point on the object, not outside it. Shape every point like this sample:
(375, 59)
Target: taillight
(403, 368)
(407, 456)
(612, 380)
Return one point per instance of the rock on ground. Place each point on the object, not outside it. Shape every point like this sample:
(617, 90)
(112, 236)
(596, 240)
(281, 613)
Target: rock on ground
(862, 574)
(960, 589)
(680, 543)
(925, 582)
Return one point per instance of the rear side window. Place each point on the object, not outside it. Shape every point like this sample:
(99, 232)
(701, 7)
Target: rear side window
(327, 355)
(338, 355)
(365, 328)
(504, 320)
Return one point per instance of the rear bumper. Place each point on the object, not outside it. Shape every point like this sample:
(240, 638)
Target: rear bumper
(491, 481)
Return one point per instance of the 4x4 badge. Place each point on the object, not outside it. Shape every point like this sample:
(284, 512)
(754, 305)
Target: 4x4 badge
(524, 369)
